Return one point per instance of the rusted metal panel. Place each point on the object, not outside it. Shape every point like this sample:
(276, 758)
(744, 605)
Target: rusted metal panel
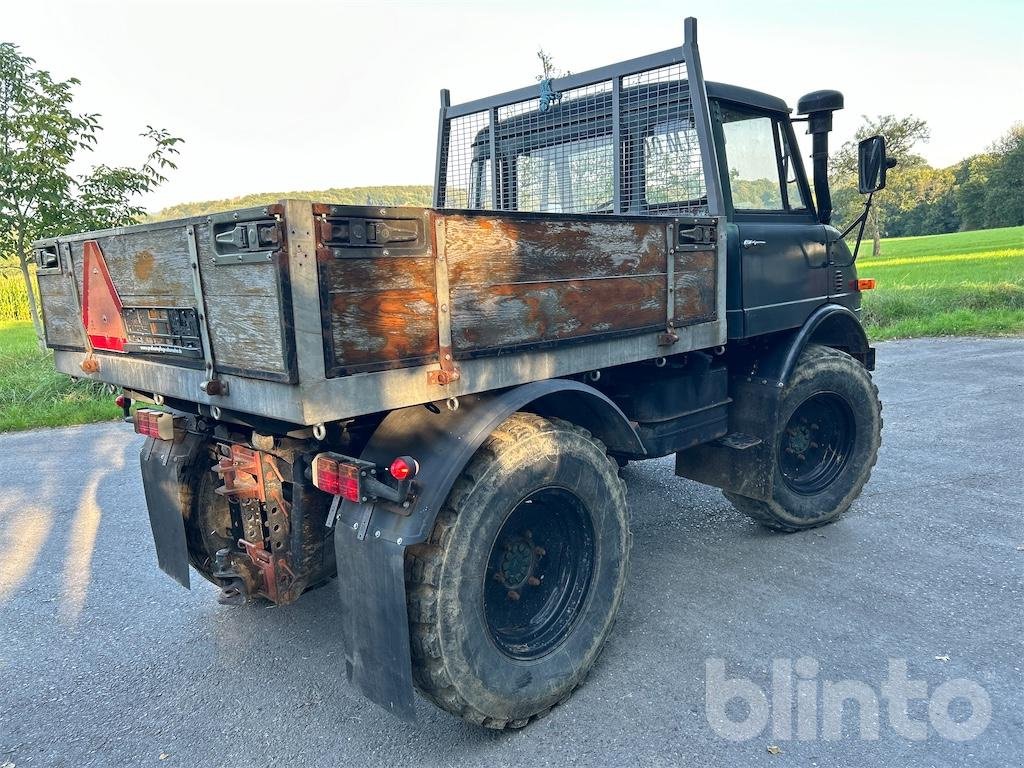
(495, 250)
(380, 311)
(696, 286)
(382, 328)
(530, 280)
(511, 315)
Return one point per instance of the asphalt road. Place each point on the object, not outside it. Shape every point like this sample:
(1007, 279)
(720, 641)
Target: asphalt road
(104, 661)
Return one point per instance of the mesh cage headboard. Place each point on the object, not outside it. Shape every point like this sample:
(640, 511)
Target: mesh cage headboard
(629, 138)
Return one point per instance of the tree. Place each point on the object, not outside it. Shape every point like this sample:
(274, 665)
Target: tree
(902, 134)
(548, 69)
(40, 137)
(1004, 198)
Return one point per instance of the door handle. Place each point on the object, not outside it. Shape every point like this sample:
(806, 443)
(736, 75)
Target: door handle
(753, 243)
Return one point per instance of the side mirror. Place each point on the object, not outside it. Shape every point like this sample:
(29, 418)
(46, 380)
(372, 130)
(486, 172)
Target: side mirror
(872, 164)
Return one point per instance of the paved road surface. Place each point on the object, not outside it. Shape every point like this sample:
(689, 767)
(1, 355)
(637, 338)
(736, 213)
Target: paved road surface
(106, 662)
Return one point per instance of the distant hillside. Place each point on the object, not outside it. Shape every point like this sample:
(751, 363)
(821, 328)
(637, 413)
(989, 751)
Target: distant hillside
(414, 195)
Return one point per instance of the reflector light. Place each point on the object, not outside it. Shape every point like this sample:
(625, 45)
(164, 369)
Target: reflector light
(864, 284)
(119, 401)
(151, 423)
(404, 468)
(337, 477)
(101, 306)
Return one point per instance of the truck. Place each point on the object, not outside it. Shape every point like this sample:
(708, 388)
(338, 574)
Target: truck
(431, 407)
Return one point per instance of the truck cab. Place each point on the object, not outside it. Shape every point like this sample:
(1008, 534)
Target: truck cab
(783, 261)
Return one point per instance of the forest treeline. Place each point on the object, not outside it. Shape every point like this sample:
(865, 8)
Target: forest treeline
(412, 195)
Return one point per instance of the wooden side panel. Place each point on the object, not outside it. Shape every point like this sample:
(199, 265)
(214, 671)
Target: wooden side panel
(696, 274)
(524, 281)
(62, 317)
(381, 311)
(146, 262)
(245, 311)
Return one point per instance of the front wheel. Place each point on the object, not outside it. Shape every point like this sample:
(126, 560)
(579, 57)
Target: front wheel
(824, 444)
(515, 593)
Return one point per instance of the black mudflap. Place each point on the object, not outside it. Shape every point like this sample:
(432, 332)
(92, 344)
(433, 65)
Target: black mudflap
(740, 465)
(164, 465)
(371, 580)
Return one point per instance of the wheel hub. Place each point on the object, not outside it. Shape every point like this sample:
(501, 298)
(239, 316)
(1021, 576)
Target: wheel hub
(539, 573)
(816, 443)
(517, 563)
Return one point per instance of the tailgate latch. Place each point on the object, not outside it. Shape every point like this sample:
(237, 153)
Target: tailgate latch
(246, 242)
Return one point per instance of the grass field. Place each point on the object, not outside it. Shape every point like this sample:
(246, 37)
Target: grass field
(33, 394)
(947, 285)
(13, 299)
(960, 284)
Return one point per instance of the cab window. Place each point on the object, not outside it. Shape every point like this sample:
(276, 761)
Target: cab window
(762, 175)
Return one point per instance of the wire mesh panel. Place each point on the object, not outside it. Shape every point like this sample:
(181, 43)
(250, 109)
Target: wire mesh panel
(665, 167)
(559, 158)
(623, 142)
(467, 180)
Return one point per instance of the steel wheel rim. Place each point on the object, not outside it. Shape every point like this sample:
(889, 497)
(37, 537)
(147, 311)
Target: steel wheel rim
(539, 573)
(816, 443)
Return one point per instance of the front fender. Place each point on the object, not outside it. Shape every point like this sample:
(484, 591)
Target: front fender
(833, 325)
(370, 538)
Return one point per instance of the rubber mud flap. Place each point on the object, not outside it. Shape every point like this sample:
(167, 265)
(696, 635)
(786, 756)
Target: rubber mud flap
(374, 619)
(163, 465)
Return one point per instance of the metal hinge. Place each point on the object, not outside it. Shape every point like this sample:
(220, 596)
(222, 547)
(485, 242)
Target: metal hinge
(449, 371)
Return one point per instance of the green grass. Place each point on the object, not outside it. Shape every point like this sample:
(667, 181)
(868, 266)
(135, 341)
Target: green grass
(966, 283)
(13, 299)
(33, 394)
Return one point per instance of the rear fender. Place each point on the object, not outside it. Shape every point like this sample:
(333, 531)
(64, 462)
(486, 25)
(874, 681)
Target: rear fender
(370, 538)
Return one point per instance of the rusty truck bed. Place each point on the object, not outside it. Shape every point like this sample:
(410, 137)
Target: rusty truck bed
(310, 313)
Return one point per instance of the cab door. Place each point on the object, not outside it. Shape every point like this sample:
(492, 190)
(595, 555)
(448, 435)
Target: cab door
(778, 256)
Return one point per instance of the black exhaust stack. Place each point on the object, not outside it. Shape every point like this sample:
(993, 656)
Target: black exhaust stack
(819, 106)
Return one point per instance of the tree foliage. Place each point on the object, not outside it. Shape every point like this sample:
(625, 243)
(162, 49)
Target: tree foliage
(980, 192)
(416, 195)
(40, 138)
(902, 135)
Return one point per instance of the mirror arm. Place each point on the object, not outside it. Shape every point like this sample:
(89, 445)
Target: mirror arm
(862, 220)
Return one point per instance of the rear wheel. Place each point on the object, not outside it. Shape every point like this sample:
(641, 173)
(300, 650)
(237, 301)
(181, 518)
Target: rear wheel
(824, 445)
(514, 595)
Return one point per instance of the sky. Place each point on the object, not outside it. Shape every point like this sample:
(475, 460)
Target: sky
(303, 95)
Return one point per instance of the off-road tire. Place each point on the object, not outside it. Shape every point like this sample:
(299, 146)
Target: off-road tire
(457, 663)
(821, 370)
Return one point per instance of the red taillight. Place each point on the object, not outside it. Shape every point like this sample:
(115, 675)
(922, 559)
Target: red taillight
(337, 477)
(863, 284)
(158, 424)
(404, 468)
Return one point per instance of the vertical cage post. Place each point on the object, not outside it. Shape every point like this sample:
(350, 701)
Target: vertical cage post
(494, 160)
(616, 146)
(442, 149)
(702, 117)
